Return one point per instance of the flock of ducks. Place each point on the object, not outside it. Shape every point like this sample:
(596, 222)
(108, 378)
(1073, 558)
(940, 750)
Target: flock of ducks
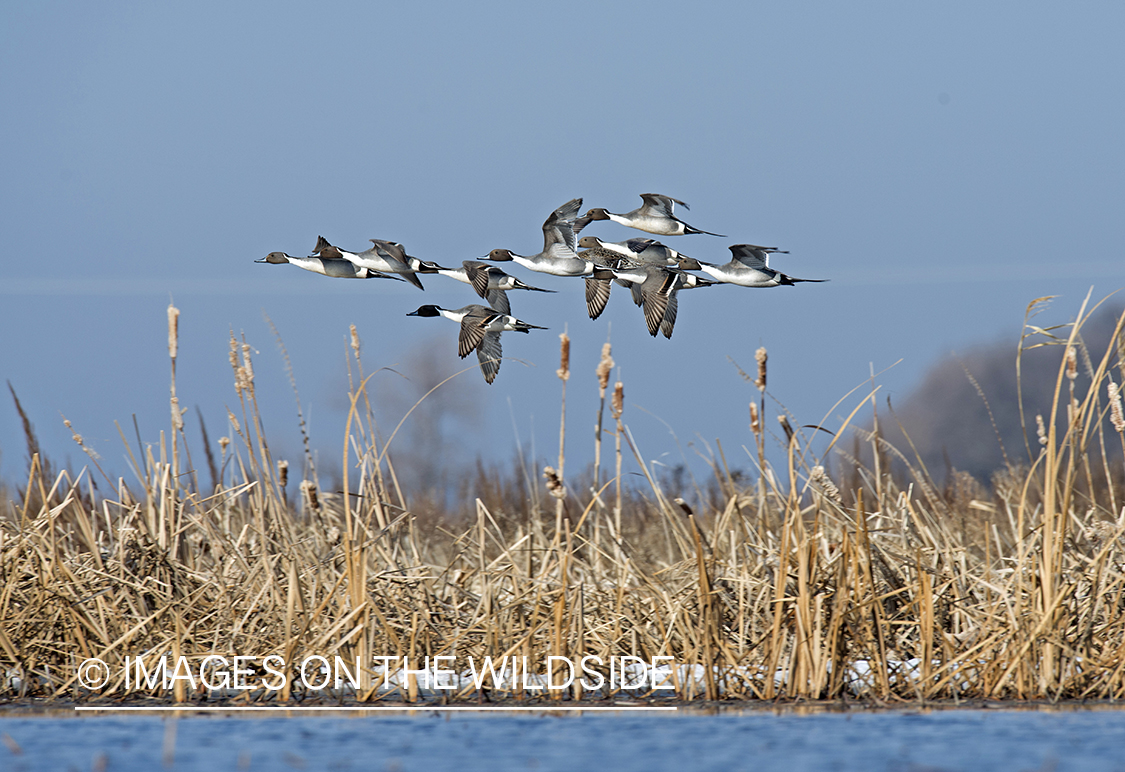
(653, 272)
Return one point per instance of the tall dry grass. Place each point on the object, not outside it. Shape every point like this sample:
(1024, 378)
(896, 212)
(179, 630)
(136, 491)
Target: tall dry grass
(789, 583)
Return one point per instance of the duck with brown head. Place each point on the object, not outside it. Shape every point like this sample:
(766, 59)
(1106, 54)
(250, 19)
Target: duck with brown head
(748, 267)
(656, 215)
(334, 267)
(560, 246)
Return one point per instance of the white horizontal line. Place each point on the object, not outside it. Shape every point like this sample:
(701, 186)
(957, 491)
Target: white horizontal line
(378, 708)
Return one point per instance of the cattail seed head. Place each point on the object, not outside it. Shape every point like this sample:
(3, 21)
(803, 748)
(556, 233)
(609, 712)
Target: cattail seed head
(760, 356)
(564, 358)
(1116, 414)
(247, 365)
(785, 427)
(308, 487)
(355, 340)
(554, 484)
(1040, 429)
(1071, 363)
(173, 330)
(617, 404)
(223, 442)
(74, 435)
(233, 357)
(755, 419)
(822, 481)
(177, 414)
(282, 473)
(604, 368)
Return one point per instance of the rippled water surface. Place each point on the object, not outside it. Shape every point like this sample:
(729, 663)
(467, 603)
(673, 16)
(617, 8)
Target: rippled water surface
(924, 742)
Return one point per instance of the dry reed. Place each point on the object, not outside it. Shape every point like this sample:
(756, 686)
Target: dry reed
(795, 585)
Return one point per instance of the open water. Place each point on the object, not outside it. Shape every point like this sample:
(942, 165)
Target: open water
(913, 740)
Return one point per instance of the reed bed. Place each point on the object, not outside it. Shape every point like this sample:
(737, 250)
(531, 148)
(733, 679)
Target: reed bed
(793, 582)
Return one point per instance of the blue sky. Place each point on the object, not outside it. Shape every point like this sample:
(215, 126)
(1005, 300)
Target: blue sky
(942, 164)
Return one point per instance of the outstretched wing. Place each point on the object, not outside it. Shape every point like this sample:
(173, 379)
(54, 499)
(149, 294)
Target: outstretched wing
(597, 295)
(670, 315)
(498, 299)
(659, 205)
(751, 256)
(660, 295)
(639, 245)
(638, 296)
(559, 236)
(656, 303)
(474, 327)
(477, 274)
(488, 354)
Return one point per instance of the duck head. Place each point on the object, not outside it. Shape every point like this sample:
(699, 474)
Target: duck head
(427, 310)
(274, 257)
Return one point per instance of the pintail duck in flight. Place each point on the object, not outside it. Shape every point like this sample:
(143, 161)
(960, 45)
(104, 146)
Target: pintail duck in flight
(560, 246)
(656, 215)
(480, 330)
(620, 254)
(489, 281)
(335, 267)
(638, 250)
(657, 287)
(599, 284)
(383, 256)
(749, 267)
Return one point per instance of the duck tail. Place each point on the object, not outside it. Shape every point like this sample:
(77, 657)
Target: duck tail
(688, 230)
(412, 277)
(789, 281)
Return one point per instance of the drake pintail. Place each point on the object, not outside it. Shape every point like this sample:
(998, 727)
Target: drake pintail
(480, 331)
(560, 246)
(656, 215)
(489, 281)
(658, 288)
(334, 267)
(383, 256)
(749, 267)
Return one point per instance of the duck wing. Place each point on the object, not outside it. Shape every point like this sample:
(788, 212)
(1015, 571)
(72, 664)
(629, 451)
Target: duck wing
(751, 255)
(639, 245)
(659, 293)
(395, 255)
(498, 299)
(474, 328)
(558, 230)
(661, 206)
(597, 295)
(489, 353)
(477, 274)
(669, 320)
